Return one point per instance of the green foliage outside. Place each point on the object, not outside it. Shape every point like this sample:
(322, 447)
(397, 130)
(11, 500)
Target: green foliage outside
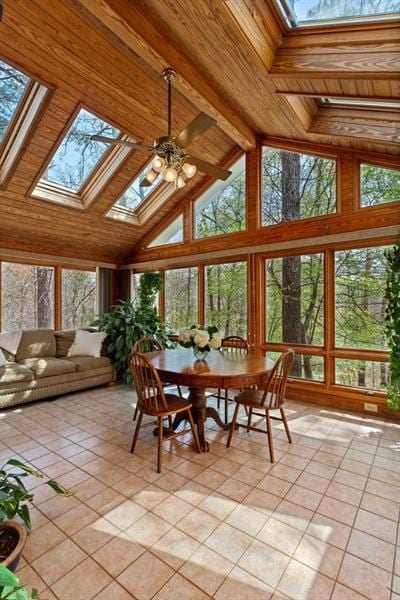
(129, 321)
(379, 185)
(392, 322)
(11, 588)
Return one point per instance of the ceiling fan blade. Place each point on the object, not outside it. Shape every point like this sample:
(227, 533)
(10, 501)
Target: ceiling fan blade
(108, 140)
(200, 124)
(208, 168)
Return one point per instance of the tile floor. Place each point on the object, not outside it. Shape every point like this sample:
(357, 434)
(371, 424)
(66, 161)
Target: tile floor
(319, 524)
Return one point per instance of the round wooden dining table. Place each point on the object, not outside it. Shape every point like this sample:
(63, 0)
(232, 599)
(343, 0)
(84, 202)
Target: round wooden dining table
(218, 370)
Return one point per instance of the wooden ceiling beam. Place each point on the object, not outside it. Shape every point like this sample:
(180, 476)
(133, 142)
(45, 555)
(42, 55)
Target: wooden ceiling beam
(336, 96)
(132, 30)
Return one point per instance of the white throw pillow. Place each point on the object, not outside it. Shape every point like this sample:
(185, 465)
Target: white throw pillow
(10, 341)
(2, 359)
(87, 343)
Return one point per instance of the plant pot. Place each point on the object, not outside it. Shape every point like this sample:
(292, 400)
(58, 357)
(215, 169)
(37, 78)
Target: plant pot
(11, 561)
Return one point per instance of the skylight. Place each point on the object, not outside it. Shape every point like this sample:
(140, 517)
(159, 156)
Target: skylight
(13, 84)
(305, 12)
(135, 195)
(346, 102)
(78, 155)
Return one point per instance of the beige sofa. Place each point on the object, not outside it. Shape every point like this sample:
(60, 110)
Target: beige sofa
(41, 368)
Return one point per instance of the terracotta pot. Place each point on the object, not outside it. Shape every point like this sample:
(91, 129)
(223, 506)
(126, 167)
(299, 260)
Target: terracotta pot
(12, 561)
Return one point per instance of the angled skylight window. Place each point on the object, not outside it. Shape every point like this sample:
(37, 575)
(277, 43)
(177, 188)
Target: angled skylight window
(306, 12)
(13, 84)
(77, 155)
(134, 195)
(350, 102)
(172, 234)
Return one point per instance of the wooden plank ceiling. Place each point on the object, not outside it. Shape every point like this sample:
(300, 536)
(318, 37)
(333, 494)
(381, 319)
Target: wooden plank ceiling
(234, 60)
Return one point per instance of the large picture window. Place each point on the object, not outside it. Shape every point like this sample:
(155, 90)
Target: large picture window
(78, 298)
(27, 296)
(378, 185)
(181, 297)
(226, 297)
(360, 305)
(296, 186)
(361, 373)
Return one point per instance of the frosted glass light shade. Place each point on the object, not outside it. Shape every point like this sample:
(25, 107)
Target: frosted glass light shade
(189, 170)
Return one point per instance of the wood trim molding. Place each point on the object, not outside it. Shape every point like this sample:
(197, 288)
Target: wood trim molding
(38, 258)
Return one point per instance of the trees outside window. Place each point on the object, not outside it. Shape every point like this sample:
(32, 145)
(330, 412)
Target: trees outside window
(226, 297)
(78, 298)
(181, 300)
(378, 185)
(309, 367)
(13, 84)
(361, 373)
(296, 186)
(27, 296)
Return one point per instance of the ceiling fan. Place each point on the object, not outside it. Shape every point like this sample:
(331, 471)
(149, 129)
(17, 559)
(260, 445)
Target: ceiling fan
(171, 159)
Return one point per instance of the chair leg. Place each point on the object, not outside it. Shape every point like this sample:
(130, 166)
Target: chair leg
(170, 421)
(179, 390)
(226, 406)
(194, 431)
(136, 434)
(232, 427)
(249, 415)
(219, 398)
(135, 414)
(269, 432)
(289, 437)
(160, 442)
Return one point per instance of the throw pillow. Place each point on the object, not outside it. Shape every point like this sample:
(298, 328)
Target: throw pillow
(2, 359)
(87, 344)
(10, 341)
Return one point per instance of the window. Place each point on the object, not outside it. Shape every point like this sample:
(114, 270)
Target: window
(181, 297)
(13, 84)
(135, 285)
(305, 366)
(226, 297)
(172, 234)
(295, 299)
(27, 296)
(296, 186)
(354, 103)
(304, 12)
(135, 195)
(360, 304)
(379, 185)
(77, 155)
(78, 298)
(222, 208)
(361, 373)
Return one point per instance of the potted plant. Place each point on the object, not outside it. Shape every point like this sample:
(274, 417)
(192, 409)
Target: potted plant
(392, 323)
(14, 499)
(201, 339)
(129, 321)
(11, 588)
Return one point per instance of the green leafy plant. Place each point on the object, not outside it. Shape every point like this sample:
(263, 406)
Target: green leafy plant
(392, 323)
(11, 589)
(129, 321)
(14, 496)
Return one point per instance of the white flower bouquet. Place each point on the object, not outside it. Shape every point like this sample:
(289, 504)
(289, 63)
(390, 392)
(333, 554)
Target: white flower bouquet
(201, 339)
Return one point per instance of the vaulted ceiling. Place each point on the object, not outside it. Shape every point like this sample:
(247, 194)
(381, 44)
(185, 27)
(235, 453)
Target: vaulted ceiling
(234, 59)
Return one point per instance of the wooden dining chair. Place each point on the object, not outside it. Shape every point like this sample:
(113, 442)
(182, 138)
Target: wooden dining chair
(153, 401)
(265, 400)
(149, 344)
(235, 346)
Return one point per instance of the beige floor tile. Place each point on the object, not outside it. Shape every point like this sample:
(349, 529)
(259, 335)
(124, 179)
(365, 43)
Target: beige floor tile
(150, 496)
(354, 466)
(385, 490)
(376, 525)
(351, 479)
(234, 489)
(336, 509)
(262, 501)
(319, 556)
(30, 579)
(114, 591)
(293, 514)
(321, 470)
(126, 513)
(229, 542)
(105, 500)
(145, 577)
(179, 587)
(58, 561)
(41, 540)
(95, 535)
(189, 469)
(218, 505)
(280, 536)
(344, 493)
(83, 581)
(210, 479)
(372, 549)
(206, 569)
(302, 583)
(172, 509)
(307, 498)
(329, 530)
(148, 529)
(246, 519)
(75, 519)
(248, 475)
(273, 485)
(54, 507)
(313, 482)
(364, 578)
(240, 585)
(117, 554)
(88, 488)
(130, 485)
(340, 592)
(225, 466)
(264, 562)
(285, 472)
(380, 506)
(174, 548)
(171, 482)
(198, 524)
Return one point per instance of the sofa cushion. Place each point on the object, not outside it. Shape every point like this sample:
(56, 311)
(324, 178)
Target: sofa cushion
(14, 373)
(48, 366)
(87, 363)
(36, 343)
(64, 340)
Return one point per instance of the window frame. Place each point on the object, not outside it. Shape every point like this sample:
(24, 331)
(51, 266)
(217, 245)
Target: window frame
(380, 165)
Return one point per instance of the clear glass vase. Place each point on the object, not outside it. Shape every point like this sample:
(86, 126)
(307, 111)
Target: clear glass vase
(200, 353)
